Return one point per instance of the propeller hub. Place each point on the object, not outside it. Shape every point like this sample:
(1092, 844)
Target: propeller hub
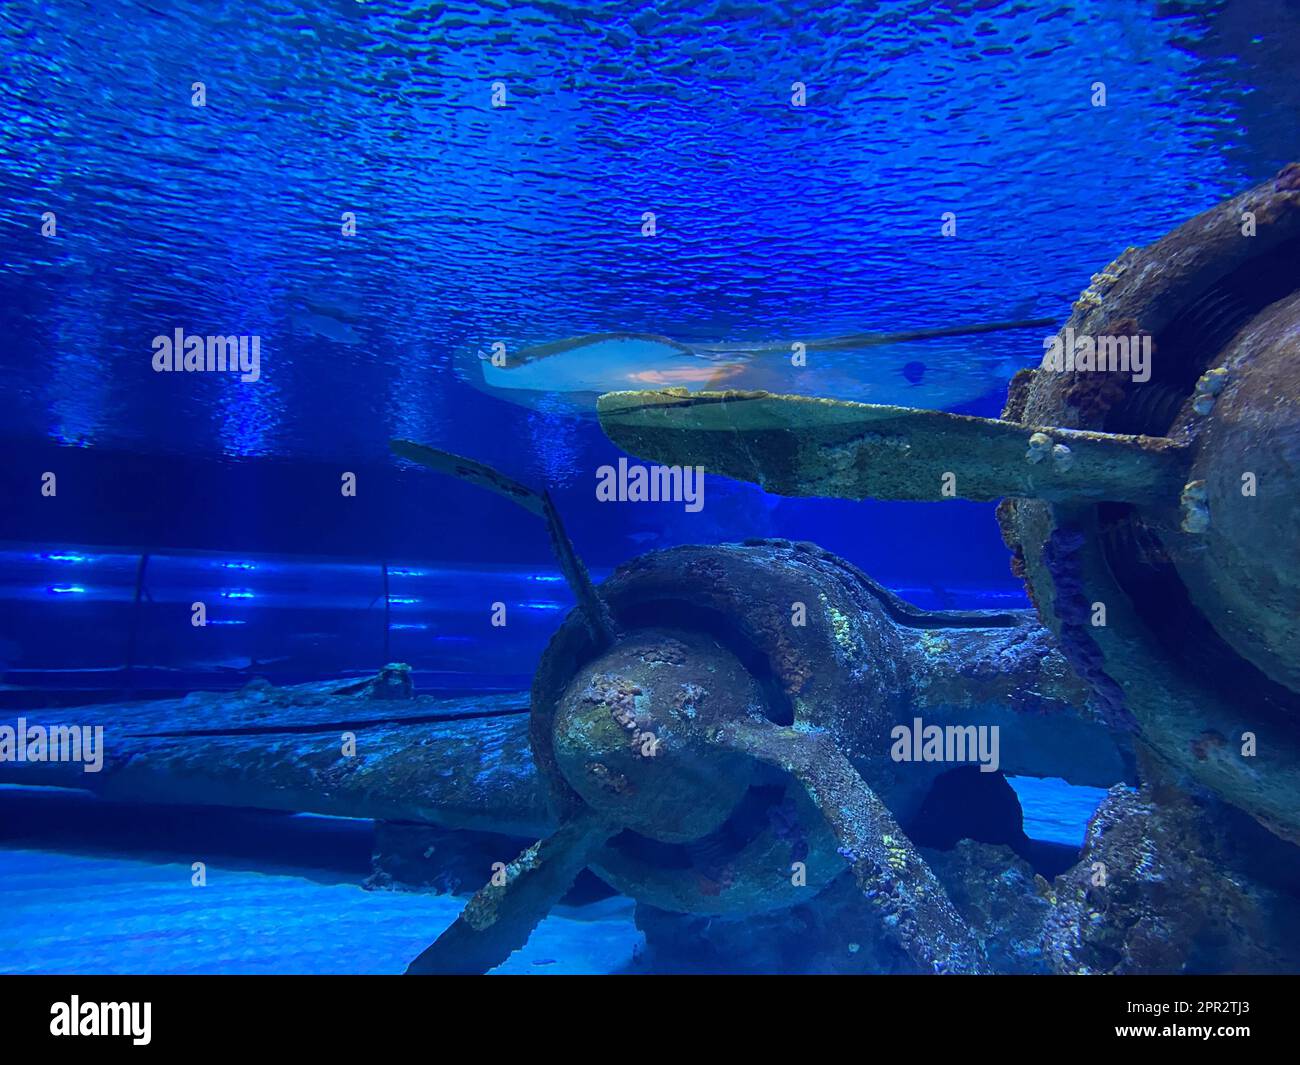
(631, 733)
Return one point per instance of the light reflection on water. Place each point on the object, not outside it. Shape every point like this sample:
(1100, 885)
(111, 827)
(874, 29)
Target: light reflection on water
(522, 223)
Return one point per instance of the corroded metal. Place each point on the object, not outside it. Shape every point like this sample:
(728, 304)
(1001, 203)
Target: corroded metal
(1199, 640)
(700, 739)
(457, 763)
(1151, 515)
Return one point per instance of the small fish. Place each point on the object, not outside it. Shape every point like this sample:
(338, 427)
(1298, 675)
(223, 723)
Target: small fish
(250, 665)
(321, 325)
(333, 319)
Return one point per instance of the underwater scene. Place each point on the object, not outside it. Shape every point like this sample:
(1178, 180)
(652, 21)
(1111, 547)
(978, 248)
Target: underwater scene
(649, 487)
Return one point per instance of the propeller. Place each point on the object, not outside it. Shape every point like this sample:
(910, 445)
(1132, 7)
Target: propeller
(604, 740)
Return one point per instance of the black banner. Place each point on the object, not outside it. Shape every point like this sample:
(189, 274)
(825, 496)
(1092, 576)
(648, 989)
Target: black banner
(544, 1015)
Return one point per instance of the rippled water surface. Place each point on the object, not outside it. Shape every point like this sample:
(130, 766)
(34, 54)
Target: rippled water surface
(523, 223)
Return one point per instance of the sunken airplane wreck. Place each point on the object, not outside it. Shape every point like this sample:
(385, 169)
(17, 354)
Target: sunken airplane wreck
(709, 731)
(1152, 517)
(733, 770)
(701, 752)
(1163, 503)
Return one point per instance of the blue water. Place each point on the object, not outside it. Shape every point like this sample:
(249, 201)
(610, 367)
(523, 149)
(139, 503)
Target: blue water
(521, 224)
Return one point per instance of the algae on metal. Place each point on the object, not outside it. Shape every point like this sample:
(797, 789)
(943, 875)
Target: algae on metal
(1120, 494)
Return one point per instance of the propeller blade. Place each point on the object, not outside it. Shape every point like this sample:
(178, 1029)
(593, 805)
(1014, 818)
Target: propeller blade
(894, 878)
(804, 446)
(593, 608)
(499, 919)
